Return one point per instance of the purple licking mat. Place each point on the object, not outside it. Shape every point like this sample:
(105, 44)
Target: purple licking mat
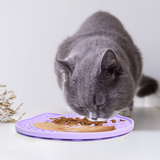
(25, 127)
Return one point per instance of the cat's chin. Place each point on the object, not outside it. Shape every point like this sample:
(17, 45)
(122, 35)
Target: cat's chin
(86, 117)
(81, 116)
(101, 119)
(98, 119)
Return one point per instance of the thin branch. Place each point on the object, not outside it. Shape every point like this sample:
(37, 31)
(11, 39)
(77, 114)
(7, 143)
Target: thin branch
(6, 112)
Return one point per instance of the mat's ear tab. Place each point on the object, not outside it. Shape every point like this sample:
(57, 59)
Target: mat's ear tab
(110, 62)
(64, 66)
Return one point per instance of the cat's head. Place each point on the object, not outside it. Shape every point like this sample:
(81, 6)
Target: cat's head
(96, 82)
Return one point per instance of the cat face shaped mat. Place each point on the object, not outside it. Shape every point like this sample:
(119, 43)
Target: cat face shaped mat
(27, 128)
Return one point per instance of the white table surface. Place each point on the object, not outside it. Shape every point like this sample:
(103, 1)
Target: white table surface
(143, 143)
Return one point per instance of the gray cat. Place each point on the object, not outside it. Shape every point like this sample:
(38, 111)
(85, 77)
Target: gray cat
(99, 69)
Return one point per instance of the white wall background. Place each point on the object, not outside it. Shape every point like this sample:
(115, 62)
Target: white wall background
(31, 30)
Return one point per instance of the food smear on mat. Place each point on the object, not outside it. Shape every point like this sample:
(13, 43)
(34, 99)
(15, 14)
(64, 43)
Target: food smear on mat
(64, 124)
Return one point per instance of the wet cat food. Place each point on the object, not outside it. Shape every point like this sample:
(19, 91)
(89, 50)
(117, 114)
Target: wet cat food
(122, 120)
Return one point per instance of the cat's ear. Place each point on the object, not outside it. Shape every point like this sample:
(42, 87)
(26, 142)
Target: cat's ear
(110, 63)
(64, 66)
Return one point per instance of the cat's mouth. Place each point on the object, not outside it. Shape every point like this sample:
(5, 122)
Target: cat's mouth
(96, 116)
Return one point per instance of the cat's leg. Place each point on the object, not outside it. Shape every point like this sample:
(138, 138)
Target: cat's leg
(128, 112)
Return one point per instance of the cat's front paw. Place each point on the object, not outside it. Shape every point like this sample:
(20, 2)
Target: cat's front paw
(126, 113)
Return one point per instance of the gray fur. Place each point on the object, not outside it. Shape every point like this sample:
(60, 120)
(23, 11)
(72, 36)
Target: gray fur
(147, 86)
(99, 67)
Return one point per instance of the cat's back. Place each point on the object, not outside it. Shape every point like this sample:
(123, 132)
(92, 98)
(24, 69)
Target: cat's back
(104, 25)
(101, 21)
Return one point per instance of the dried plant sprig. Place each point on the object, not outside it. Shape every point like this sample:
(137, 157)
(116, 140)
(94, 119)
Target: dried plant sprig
(6, 112)
(3, 94)
(2, 85)
(19, 106)
(21, 116)
(10, 92)
(12, 96)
